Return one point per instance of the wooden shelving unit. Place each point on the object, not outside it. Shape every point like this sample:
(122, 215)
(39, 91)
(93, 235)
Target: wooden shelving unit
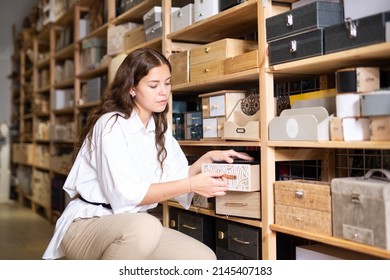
(240, 20)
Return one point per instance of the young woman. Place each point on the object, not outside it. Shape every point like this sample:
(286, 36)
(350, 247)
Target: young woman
(126, 162)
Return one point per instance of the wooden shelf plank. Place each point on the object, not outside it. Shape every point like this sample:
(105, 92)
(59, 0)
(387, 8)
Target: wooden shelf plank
(100, 70)
(219, 143)
(339, 242)
(332, 144)
(367, 55)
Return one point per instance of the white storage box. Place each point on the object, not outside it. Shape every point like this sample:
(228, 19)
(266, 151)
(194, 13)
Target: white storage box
(205, 8)
(183, 17)
(356, 129)
(244, 176)
(347, 105)
(350, 129)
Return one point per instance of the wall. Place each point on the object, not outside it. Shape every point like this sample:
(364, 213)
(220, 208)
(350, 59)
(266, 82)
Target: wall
(11, 12)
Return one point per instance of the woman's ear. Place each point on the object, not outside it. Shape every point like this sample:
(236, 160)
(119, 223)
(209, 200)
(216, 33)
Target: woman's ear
(132, 92)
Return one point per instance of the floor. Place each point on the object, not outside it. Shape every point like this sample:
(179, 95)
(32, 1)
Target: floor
(24, 234)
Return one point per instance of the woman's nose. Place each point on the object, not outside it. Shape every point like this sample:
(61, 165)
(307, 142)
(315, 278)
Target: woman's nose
(165, 90)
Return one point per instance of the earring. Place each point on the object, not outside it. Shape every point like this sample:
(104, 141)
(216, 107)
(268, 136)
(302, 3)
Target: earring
(132, 93)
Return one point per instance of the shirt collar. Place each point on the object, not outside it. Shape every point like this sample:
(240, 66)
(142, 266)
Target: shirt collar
(137, 125)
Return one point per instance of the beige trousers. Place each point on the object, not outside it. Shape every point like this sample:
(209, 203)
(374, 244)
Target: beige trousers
(129, 236)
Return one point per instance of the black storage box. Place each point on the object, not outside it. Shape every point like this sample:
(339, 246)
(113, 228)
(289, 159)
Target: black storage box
(227, 4)
(357, 33)
(296, 47)
(316, 15)
(236, 241)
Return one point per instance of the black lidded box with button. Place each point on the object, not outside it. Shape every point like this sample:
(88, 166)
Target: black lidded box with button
(299, 33)
(303, 45)
(357, 33)
(316, 15)
(195, 225)
(227, 4)
(236, 241)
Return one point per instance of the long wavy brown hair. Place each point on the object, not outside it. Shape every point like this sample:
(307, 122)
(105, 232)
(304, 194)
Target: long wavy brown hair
(117, 98)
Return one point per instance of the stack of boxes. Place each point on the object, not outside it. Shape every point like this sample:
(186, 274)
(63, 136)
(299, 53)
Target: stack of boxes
(243, 195)
(92, 52)
(298, 33)
(216, 107)
(93, 90)
(40, 187)
(64, 71)
(115, 37)
(362, 109)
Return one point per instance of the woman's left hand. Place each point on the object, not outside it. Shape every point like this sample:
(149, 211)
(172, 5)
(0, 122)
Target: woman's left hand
(227, 156)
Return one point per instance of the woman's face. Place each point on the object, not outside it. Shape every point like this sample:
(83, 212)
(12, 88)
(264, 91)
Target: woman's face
(152, 92)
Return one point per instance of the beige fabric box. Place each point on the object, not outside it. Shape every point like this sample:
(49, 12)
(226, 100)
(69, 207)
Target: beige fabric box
(241, 204)
(361, 208)
(304, 205)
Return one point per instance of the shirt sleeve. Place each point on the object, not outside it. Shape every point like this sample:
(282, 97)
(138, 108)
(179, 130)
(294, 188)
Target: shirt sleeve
(178, 167)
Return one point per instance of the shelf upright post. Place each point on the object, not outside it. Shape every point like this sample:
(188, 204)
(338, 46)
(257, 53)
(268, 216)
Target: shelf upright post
(267, 112)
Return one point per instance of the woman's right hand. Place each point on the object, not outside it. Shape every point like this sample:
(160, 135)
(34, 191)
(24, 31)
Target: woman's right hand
(209, 184)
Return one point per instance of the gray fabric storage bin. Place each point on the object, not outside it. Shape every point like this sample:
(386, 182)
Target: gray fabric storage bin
(361, 209)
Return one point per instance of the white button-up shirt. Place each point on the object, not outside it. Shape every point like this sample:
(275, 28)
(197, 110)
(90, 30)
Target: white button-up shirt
(117, 167)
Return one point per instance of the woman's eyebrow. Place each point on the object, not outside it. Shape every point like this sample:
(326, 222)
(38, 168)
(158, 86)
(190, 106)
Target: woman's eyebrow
(156, 81)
